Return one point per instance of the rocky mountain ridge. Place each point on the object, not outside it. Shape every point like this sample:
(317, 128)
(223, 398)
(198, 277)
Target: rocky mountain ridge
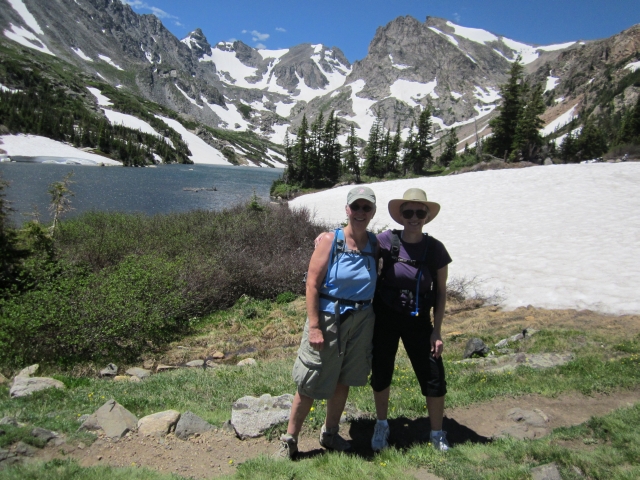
(410, 65)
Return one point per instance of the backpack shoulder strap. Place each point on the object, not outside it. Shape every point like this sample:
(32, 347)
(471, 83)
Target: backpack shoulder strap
(395, 245)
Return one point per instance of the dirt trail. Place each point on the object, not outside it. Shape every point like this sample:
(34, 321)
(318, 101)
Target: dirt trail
(219, 452)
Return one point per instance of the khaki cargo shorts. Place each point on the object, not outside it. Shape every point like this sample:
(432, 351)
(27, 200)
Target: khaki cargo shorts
(318, 372)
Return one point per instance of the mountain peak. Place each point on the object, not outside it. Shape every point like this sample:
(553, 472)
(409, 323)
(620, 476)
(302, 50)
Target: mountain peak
(197, 42)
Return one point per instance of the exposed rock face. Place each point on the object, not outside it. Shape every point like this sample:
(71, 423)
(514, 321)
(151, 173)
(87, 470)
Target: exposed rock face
(112, 418)
(251, 416)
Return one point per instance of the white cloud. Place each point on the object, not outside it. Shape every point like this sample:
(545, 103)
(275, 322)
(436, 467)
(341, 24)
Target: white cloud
(244, 31)
(280, 29)
(178, 24)
(456, 17)
(139, 4)
(259, 36)
(232, 39)
(260, 46)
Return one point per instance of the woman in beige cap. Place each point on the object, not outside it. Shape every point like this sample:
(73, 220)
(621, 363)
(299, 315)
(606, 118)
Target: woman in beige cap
(412, 280)
(335, 351)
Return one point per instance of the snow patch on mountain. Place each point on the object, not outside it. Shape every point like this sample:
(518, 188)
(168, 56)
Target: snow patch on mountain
(474, 34)
(7, 89)
(27, 17)
(191, 100)
(129, 121)
(408, 92)
(231, 116)
(264, 53)
(552, 82)
(633, 66)
(201, 151)
(108, 60)
(488, 95)
(560, 122)
(100, 98)
(27, 39)
(553, 48)
(398, 66)
(81, 54)
(528, 53)
(446, 35)
(280, 131)
(361, 107)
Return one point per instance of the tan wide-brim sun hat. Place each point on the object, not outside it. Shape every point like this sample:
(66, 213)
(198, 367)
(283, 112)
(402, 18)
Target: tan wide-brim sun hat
(413, 195)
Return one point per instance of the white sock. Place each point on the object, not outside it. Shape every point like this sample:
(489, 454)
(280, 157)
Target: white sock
(384, 423)
(435, 433)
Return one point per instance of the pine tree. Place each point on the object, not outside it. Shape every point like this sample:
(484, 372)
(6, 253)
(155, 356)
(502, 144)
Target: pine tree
(527, 140)
(410, 158)
(568, 148)
(591, 143)
(290, 174)
(372, 158)
(331, 149)
(301, 152)
(351, 162)
(11, 255)
(423, 138)
(450, 148)
(504, 125)
(394, 150)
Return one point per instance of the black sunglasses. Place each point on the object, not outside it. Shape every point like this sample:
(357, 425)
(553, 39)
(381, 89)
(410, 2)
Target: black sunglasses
(356, 207)
(421, 214)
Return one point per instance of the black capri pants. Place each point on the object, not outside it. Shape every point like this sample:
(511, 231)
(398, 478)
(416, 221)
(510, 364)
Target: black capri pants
(415, 332)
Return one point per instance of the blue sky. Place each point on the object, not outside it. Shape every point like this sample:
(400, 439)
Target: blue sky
(351, 24)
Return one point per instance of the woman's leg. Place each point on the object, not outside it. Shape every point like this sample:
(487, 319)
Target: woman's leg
(300, 408)
(335, 406)
(435, 405)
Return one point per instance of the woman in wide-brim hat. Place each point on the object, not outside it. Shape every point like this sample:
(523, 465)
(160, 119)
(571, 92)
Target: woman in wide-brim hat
(411, 284)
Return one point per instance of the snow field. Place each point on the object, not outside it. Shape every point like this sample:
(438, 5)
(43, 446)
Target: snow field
(36, 146)
(25, 38)
(561, 236)
(108, 60)
(559, 122)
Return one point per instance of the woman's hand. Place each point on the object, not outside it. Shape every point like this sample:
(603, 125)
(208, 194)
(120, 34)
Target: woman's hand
(316, 339)
(436, 344)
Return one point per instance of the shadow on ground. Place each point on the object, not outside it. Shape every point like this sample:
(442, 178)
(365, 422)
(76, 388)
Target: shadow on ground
(406, 433)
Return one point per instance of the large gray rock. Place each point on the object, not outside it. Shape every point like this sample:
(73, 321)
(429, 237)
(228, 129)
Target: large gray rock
(141, 373)
(251, 416)
(158, 424)
(27, 372)
(25, 386)
(546, 472)
(110, 370)
(475, 346)
(43, 434)
(112, 418)
(190, 424)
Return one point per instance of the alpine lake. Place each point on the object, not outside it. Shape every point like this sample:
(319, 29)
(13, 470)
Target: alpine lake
(155, 190)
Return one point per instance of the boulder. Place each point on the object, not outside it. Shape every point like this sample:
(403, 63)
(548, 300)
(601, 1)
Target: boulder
(9, 421)
(141, 373)
(112, 418)
(148, 364)
(27, 372)
(218, 356)
(546, 472)
(43, 434)
(190, 424)
(110, 370)
(475, 346)
(25, 386)
(247, 362)
(24, 449)
(196, 363)
(251, 416)
(158, 424)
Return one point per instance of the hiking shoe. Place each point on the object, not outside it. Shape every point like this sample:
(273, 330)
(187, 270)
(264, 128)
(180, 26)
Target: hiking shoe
(331, 440)
(440, 442)
(288, 448)
(380, 438)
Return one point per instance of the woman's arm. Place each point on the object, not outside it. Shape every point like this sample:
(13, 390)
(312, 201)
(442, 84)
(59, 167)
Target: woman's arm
(438, 311)
(315, 277)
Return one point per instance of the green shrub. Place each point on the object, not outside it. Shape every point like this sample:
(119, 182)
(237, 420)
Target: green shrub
(115, 313)
(286, 297)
